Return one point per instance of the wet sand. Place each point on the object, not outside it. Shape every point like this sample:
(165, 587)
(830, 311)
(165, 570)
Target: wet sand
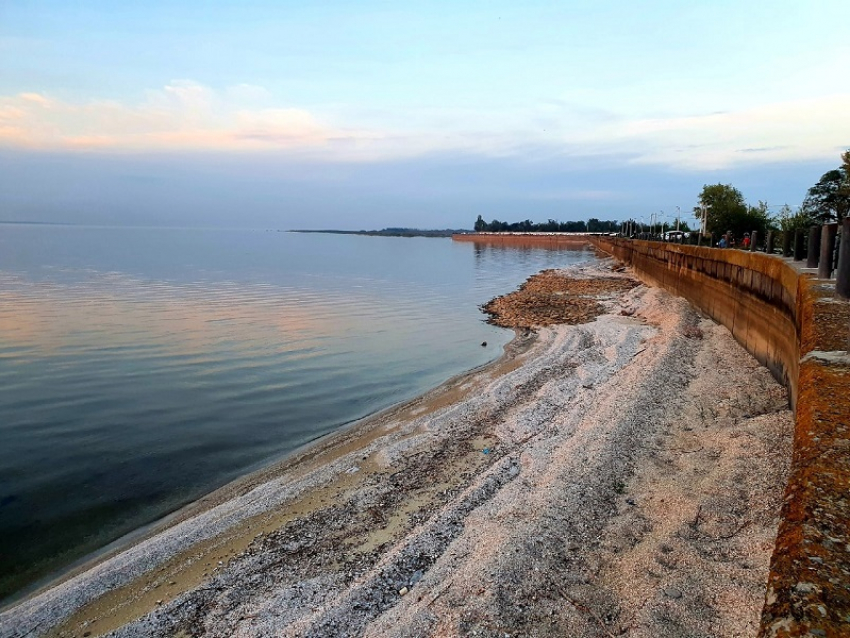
(619, 475)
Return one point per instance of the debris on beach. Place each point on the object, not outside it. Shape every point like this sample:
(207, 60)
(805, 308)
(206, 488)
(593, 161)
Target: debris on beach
(552, 297)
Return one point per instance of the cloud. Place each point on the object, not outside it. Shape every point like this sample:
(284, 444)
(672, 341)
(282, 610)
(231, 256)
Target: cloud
(35, 98)
(799, 130)
(575, 194)
(188, 116)
(183, 115)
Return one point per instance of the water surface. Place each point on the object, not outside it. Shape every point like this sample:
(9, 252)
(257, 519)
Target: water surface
(143, 368)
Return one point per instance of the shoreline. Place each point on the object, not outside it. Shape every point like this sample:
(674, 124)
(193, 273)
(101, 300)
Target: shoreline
(395, 502)
(312, 452)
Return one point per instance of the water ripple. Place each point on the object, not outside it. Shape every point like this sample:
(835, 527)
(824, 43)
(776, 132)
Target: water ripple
(131, 384)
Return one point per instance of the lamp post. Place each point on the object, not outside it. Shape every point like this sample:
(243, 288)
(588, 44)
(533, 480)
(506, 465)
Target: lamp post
(704, 221)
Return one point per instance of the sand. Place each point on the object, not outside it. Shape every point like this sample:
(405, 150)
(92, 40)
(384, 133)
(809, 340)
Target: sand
(617, 477)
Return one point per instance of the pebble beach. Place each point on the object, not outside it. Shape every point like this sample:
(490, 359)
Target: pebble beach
(618, 471)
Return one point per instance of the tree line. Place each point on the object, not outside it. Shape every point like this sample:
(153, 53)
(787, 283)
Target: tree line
(592, 225)
(725, 210)
(827, 201)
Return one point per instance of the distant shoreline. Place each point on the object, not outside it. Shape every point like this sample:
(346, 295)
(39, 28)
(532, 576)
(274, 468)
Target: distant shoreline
(389, 232)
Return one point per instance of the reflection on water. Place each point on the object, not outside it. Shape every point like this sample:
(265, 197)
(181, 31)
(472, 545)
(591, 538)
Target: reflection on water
(142, 368)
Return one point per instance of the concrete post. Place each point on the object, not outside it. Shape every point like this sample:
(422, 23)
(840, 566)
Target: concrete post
(768, 247)
(799, 244)
(754, 237)
(813, 250)
(827, 246)
(786, 243)
(842, 277)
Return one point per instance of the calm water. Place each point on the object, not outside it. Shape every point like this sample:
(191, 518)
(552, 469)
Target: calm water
(142, 368)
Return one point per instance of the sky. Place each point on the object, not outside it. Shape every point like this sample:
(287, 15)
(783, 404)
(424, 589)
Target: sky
(360, 115)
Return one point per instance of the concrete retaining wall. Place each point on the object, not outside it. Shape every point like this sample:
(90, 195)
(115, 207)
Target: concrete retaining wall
(526, 240)
(753, 295)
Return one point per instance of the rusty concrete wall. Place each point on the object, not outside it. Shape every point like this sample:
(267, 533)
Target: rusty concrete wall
(753, 295)
(525, 240)
(795, 326)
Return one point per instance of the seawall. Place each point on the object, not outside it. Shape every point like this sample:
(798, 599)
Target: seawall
(793, 324)
(529, 240)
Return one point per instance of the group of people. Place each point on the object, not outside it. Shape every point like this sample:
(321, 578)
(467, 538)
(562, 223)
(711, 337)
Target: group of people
(728, 241)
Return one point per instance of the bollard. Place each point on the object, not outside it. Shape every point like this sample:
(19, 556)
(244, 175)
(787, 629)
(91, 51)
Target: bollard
(827, 248)
(842, 277)
(754, 237)
(813, 249)
(799, 244)
(786, 243)
(768, 247)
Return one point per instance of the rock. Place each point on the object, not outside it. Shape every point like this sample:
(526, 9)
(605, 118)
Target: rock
(483, 344)
(672, 592)
(804, 588)
(403, 591)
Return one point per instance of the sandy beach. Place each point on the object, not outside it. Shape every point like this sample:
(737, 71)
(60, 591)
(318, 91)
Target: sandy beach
(619, 471)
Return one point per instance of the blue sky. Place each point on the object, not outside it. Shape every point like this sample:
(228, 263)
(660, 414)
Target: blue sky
(368, 114)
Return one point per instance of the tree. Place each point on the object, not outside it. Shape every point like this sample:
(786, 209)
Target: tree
(829, 199)
(789, 221)
(728, 211)
(726, 206)
(757, 218)
(480, 225)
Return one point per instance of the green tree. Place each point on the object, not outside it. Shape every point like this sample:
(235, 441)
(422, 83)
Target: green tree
(829, 199)
(757, 218)
(726, 207)
(789, 221)
(480, 225)
(728, 211)
(845, 166)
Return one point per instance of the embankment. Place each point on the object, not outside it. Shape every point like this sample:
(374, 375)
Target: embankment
(794, 325)
(527, 240)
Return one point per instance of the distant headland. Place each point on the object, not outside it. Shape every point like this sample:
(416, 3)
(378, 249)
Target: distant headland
(392, 232)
